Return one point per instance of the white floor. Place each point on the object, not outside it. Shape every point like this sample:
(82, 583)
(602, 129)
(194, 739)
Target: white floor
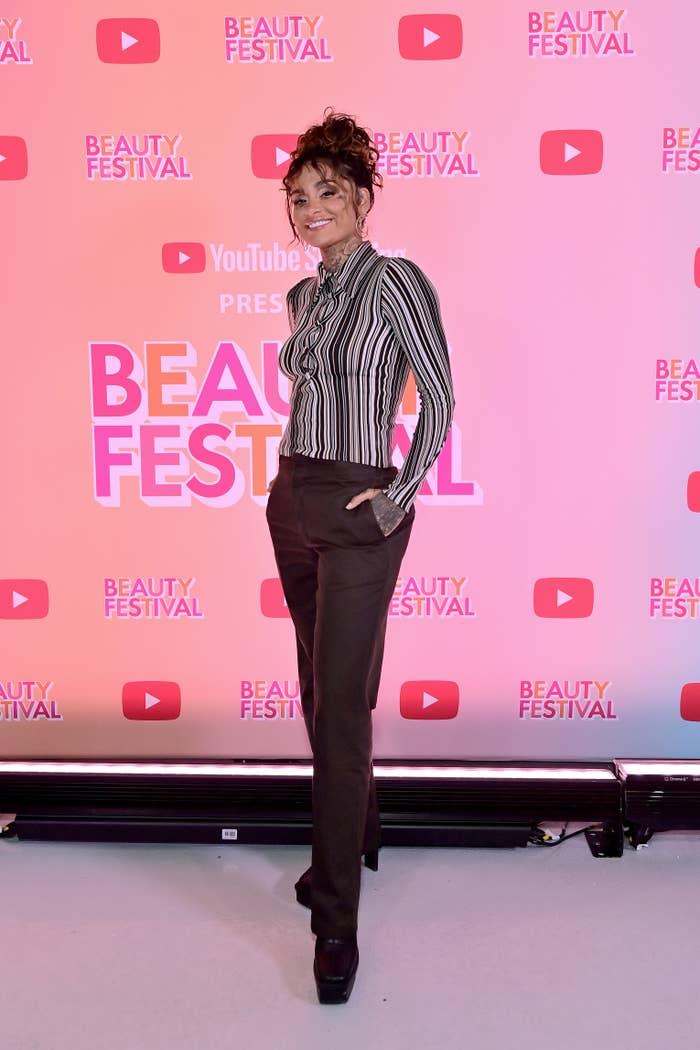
(204, 947)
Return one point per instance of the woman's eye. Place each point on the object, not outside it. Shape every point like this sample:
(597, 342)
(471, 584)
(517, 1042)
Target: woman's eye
(302, 200)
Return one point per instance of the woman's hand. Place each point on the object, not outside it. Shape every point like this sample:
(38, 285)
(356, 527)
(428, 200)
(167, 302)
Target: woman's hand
(388, 514)
(361, 497)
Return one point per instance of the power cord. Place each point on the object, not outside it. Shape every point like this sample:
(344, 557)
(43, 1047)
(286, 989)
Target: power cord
(543, 837)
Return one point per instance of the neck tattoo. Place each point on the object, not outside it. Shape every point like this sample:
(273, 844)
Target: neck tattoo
(335, 256)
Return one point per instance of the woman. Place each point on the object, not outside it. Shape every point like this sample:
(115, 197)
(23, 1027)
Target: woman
(340, 515)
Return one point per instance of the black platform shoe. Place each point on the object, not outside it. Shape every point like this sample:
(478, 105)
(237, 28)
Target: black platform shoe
(302, 886)
(335, 966)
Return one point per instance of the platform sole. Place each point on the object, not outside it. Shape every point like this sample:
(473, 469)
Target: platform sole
(336, 991)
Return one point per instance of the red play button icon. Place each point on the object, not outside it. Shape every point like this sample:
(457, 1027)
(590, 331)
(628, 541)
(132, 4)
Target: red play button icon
(269, 155)
(571, 152)
(429, 36)
(563, 597)
(693, 491)
(152, 701)
(14, 162)
(690, 702)
(184, 257)
(429, 699)
(272, 600)
(128, 41)
(24, 599)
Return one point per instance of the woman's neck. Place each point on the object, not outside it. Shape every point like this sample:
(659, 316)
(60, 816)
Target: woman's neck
(334, 256)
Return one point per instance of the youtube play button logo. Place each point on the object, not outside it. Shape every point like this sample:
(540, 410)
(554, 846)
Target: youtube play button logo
(269, 155)
(272, 600)
(693, 491)
(184, 257)
(128, 41)
(24, 599)
(429, 699)
(563, 597)
(151, 701)
(571, 152)
(690, 702)
(430, 37)
(14, 160)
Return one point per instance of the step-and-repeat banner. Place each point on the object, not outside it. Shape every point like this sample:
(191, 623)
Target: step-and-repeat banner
(541, 166)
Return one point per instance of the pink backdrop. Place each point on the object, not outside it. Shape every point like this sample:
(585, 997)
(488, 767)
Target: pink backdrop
(541, 168)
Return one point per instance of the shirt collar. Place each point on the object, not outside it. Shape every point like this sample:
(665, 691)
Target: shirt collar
(347, 277)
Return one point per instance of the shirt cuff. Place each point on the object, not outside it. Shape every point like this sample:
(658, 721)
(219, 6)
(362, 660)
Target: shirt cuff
(388, 514)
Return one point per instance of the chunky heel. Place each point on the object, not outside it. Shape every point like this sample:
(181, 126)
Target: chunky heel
(335, 967)
(372, 859)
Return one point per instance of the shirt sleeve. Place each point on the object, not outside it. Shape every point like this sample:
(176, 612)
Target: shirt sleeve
(410, 304)
(388, 514)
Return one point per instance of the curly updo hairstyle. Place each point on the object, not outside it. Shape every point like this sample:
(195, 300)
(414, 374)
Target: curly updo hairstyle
(341, 145)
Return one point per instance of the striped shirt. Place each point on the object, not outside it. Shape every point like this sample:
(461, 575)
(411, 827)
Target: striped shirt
(356, 332)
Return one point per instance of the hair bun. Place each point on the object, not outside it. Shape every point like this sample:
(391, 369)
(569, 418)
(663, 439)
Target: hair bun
(339, 133)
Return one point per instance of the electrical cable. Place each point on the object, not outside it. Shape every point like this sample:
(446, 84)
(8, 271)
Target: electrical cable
(540, 837)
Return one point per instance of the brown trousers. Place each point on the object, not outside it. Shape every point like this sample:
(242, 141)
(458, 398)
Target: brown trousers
(338, 574)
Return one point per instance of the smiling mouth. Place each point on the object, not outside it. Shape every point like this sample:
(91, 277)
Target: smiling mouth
(317, 225)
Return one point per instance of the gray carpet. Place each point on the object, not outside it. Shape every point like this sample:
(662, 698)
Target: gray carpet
(205, 948)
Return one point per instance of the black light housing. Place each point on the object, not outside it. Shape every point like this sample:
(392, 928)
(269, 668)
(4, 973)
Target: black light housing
(659, 795)
(439, 803)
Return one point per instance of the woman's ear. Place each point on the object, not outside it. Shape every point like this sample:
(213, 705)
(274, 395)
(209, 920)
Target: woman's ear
(362, 199)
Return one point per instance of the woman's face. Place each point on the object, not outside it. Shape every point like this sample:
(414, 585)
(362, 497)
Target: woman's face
(323, 209)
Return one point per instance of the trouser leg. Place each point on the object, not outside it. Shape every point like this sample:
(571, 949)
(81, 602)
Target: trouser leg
(355, 587)
(297, 563)
(338, 574)
(372, 830)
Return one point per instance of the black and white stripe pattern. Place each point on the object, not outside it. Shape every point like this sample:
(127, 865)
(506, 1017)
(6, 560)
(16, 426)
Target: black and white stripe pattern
(355, 334)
